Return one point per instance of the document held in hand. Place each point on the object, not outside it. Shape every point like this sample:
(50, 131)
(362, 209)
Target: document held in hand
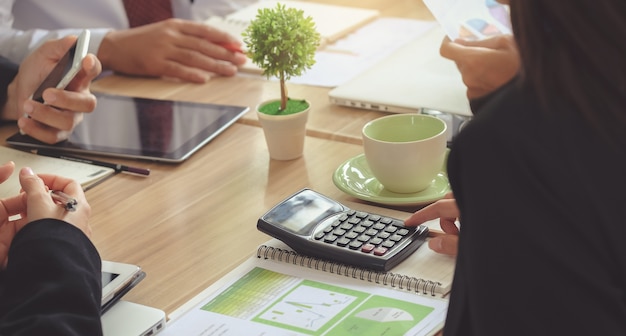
(471, 19)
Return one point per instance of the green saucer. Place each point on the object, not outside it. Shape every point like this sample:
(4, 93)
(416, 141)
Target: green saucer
(355, 178)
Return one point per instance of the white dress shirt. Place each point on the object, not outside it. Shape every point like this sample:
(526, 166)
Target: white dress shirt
(25, 24)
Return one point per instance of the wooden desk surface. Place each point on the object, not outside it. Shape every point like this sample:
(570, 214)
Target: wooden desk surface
(188, 224)
(325, 120)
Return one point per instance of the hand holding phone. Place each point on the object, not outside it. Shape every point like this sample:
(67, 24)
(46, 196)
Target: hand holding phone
(67, 68)
(55, 120)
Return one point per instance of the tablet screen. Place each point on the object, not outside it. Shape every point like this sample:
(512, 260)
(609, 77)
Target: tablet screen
(160, 130)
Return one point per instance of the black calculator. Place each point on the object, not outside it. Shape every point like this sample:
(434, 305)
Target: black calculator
(315, 225)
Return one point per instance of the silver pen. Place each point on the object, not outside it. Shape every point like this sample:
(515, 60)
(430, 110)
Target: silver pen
(68, 202)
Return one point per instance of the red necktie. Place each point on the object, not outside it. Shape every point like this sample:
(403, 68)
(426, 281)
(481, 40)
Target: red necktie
(142, 12)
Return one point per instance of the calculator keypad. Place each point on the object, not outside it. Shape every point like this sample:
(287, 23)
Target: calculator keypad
(361, 231)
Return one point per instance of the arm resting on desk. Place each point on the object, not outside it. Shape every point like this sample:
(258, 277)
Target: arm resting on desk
(52, 283)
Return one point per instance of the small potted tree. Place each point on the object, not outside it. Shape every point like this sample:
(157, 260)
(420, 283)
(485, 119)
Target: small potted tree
(282, 42)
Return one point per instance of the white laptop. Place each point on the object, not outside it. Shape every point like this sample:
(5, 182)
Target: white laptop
(131, 319)
(123, 318)
(413, 79)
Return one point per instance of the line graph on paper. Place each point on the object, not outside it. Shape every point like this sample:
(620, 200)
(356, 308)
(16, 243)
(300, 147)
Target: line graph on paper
(265, 302)
(307, 307)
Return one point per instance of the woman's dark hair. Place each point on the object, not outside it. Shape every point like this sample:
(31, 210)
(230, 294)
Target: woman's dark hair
(573, 56)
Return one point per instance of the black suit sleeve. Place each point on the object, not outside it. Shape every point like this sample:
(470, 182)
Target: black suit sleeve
(8, 71)
(52, 283)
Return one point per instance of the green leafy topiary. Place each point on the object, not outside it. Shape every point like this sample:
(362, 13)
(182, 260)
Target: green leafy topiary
(282, 42)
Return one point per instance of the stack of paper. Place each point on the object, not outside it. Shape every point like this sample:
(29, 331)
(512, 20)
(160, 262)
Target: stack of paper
(332, 21)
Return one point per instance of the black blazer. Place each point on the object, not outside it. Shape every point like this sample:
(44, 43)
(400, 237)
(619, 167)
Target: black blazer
(52, 283)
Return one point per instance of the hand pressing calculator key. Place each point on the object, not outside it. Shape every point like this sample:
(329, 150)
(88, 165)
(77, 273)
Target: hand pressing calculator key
(315, 225)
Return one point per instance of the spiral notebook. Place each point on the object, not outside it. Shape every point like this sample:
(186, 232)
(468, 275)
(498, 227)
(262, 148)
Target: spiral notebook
(424, 272)
(280, 292)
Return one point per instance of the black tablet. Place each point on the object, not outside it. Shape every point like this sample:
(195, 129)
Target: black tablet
(130, 127)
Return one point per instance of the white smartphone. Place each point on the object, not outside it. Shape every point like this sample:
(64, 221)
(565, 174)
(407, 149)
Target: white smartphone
(117, 280)
(67, 68)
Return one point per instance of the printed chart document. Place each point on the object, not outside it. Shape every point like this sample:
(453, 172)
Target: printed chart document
(262, 297)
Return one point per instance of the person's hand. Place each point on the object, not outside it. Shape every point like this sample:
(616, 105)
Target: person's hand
(54, 120)
(35, 203)
(7, 231)
(174, 48)
(485, 65)
(448, 213)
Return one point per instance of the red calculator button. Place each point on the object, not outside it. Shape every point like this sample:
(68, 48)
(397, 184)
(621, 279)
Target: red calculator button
(367, 248)
(380, 251)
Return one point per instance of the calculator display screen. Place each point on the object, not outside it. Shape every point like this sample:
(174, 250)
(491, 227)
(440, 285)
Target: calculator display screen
(301, 213)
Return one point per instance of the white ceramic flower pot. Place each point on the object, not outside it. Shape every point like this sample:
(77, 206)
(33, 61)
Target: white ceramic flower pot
(284, 134)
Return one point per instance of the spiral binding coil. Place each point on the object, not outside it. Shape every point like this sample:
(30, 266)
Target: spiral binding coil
(394, 280)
